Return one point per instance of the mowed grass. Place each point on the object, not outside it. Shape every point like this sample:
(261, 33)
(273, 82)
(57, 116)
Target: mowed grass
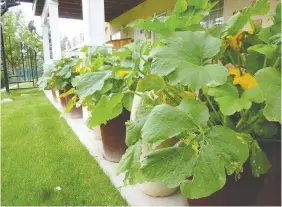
(40, 152)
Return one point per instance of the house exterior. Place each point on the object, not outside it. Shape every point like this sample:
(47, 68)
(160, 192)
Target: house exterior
(105, 20)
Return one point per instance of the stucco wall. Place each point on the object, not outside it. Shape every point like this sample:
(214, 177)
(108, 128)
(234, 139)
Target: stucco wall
(143, 11)
(150, 7)
(231, 6)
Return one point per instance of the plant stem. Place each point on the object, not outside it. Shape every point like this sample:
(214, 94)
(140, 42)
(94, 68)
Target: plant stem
(170, 97)
(265, 61)
(276, 62)
(138, 94)
(210, 103)
(231, 58)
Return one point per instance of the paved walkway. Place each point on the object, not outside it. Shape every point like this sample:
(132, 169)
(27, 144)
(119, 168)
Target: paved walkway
(133, 194)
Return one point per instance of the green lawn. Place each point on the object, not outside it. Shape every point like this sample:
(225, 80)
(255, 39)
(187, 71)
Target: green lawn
(40, 152)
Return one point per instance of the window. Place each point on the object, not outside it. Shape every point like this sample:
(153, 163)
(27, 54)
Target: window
(215, 17)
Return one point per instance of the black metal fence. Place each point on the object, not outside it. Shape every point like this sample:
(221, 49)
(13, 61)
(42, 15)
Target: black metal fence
(26, 67)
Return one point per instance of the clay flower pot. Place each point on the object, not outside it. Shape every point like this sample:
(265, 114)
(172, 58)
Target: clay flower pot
(63, 101)
(113, 137)
(249, 190)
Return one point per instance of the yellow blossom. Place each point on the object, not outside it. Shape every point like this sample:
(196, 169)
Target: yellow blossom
(187, 94)
(235, 71)
(122, 73)
(77, 68)
(246, 81)
(251, 31)
(235, 41)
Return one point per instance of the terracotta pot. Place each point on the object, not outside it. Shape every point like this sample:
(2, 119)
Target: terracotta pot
(62, 99)
(113, 137)
(249, 190)
(75, 112)
(54, 95)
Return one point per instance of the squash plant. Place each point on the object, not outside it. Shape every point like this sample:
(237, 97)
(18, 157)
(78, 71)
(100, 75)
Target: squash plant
(213, 97)
(109, 87)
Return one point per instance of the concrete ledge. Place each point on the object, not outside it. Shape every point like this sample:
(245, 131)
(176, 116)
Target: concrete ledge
(133, 194)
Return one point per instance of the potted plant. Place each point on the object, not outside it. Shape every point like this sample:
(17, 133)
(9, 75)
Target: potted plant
(45, 81)
(220, 116)
(66, 70)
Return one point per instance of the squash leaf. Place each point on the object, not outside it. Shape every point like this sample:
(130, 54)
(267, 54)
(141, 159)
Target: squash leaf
(228, 99)
(165, 122)
(269, 82)
(91, 82)
(130, 164)
(107, 108)
(185, 60)
(151, 82)
(258, 160)
(221, 150)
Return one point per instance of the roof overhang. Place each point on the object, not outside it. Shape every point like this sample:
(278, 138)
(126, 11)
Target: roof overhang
(72, 9)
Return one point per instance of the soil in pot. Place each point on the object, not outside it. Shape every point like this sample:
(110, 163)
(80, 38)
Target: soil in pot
(250, 190)
(75, 112)
(113, 137)
(62, 99)
(54, 95)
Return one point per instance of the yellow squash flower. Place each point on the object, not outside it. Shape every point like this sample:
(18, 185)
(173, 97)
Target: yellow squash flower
(122, 73)
(77, 68)
(187, 94)
(251, 31)
(235, 41)
(246, 81)
(235, 71)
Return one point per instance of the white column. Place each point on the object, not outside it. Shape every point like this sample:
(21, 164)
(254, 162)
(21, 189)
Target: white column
(94, 22)
(46, 46)
(55, 29)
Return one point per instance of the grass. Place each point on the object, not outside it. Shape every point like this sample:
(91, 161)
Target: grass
(40, 152)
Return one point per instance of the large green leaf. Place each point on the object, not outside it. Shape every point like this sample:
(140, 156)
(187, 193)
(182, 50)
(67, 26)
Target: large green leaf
(130, 164)
(254, 62)
(266, 33)
(127, 101)
(151, 82)
(185, 60)
(197, 110)
(239, 20)
(219, 150)
(258, 160)
(165, 122)
(269, 82)
(91, 82)
(180, 6)
(107, 108)
(228, 99)
(222, 150)
(133, 128)
(169, 166)
(267, 50)
(253, 94)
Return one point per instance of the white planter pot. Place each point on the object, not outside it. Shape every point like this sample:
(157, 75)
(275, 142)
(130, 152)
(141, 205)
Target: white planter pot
(86, 114)
(96, 130)
(97, 133)
(156, 189)
(150, 188)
